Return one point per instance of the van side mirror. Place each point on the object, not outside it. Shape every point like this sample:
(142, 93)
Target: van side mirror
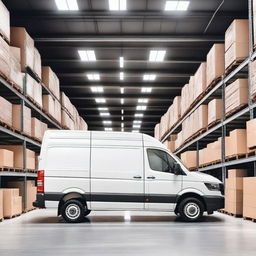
(177, 169)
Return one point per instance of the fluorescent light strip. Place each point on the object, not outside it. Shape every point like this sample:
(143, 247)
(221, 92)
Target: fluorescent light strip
(122, 111)
(146, 89)
(104, 114)
(122, 101)
(121, 62)
(122, 125)
(137, 121)
(107, 122)
(141, 107)
(136, 126)
(142, 100)
(93, 76)
(139, 115)
(122, 90)
(100, 100)
(157, 55)
(135, 131)
(176, 5)
(149, 77)
(121, 75)
(108, 129)
(122, 118)
(97, 89)
(117, 5)
(67, 5)
(87, 55)
(103, 109)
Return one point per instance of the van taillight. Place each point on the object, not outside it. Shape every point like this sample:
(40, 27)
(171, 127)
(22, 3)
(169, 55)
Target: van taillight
(40, 182)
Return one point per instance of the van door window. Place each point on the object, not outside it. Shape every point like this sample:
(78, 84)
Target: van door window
(160, 160)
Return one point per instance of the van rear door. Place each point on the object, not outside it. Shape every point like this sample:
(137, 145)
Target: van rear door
(117, 176)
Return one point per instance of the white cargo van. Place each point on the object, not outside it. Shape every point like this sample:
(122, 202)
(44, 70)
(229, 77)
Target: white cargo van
(82, 171)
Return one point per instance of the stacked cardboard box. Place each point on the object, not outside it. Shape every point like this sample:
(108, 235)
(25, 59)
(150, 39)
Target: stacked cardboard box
(164, 124)
(200, 80)
(236, 42)
(249, 198)
(170, 143)
(12, 202)
(251, 134)
(236, 144)
(51, 81)
(4, 58)
(174, 112)
(4, 21)
(37, 68)
(38, 128)
(66, 121)
(1, 205)
(179, 140)
(5, 111)
(6, 158)
(15, 68)
(66, 103)
(189, 158)
(203, 156)
(215, 63)
(30, 193)
(234, 191)
(18, 156)
(17, 118)
(253, 77)
(83, 125)
(214, 110)
(236, 95)
(157, 131)
(52, 107)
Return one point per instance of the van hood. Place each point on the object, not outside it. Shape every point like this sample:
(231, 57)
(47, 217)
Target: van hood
(204, 177)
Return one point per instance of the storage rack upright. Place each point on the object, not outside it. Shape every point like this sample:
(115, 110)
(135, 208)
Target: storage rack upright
(226, 124)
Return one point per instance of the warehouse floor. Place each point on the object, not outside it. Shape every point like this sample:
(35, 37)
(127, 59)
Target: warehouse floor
(116, 233)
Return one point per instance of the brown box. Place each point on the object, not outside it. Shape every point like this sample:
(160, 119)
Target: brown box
(249, 198)
(213, 151)
(31, 191)
(189, 158)
(52, 106)
(16, 114)
(6, 158)
(201, 120)
(1, 205)
(4, 58)
(236, 173)
(200, 80)
(5, 111)
(12, 202)
(251, 133)
(18, 156)
(83, 125)
(236, 95)
(66, 120)
(51, 81)
(4, 21)
(157, 131)
(236, 52)
(237, 32)
(20, 38)
(15, 68)
(234, 183)
(37, 63)
(236, 144)
(36, 128)
(215, 63)
(214, 110)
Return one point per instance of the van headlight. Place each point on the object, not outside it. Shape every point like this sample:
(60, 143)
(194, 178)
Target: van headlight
(213, 186)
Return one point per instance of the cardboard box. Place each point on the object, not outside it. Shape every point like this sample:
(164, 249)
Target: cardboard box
(16, 113)
(157, 131)
(213, 151)
(20, 38)
(234, 183)
(83, 125)
(189, 158)
(36, 128)
(38, 93)
(4, 58)
(251, 133)
(4, 21)
(236, 144)
(237, 173)
(44, 128)
(1, 204)
(237, 33)
(52, 106)
(5, 111)
(37, 64)
(201, 120)
(18, 156)
(51, 81)
(249, 198)
(214, 110)
(237, 52)
(12, 202)
(6, 158)
(66, 120)
(15, 68)
(200, 80)
(31, 191)
(236, 95)
(215, 67)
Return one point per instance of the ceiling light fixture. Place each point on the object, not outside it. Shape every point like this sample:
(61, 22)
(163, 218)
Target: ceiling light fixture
(122, 90)
(146, 89)
(100, 100)
(104, 114)
(108, 129)
(135, 131)
(122, 125)
(149, 77)
(157, 55)
(122, 101)
(103, 109)
(142, 100)
(67, 5)
(87, 55)
(117, 5)
(121, 62)
(93, 76)
(141, 107)
(122, 118)
(137, 121)
(122, 76)
(97, 89)
(122, 111)
(176, 5)
(139, 115)
(137, 126)
(107, 122)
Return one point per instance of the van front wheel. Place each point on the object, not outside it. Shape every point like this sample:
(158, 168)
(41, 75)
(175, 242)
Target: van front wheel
(73, 211)
(191, 209)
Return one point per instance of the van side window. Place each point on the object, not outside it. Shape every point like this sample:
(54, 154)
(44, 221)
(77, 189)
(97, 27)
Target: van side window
(160, 160)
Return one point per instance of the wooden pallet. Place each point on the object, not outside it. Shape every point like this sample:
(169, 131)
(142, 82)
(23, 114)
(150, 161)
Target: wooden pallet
(249, 218)
(233, 111)
(210, 163)
(230, 214)
(3, 76)
(12, 216)
(213, 83)
(29, 210)
(15, 86)
(10, 169)
(212, 124)
(33, 74)
(252, 152)
(1, 219)
(31, 170)
(235, 157)
(51, 117)
(4, 37)
(234, 65)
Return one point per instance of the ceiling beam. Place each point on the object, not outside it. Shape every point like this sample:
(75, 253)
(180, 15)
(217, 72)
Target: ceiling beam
(83, 16)
(127, 38)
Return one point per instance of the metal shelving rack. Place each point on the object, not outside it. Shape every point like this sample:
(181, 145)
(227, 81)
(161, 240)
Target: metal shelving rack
(235, 121)
(11, 137)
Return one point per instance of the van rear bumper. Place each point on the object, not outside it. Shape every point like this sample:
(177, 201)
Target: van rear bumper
(40, 201)
(214, 203)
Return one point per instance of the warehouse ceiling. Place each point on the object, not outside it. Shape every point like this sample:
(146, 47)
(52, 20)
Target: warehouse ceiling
(186, 36)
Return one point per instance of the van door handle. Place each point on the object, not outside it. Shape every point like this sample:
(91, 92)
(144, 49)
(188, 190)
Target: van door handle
(137, 177)
(151, 177)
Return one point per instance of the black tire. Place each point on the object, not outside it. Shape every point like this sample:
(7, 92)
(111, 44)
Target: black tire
(191, 209)
(73, 211)
(87, 212)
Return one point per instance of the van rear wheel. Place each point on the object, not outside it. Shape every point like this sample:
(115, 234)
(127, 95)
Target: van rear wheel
(73, 211)
(191, 209)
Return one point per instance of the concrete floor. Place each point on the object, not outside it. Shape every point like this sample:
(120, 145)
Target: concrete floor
(40, 232)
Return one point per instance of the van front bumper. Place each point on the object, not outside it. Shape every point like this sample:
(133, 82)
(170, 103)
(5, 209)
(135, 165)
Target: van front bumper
(214, 203)
(40, 201)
